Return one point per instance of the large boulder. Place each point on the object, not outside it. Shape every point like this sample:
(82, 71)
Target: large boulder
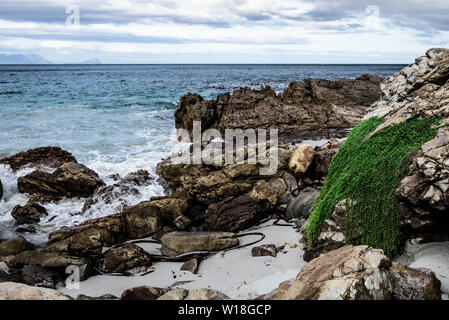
(14, 246)
(357, 273)
(132, 223)
(424, 194)
(70, 180)
(125, 258)
(52, 157)
(28, 214)
(19, 291)
(177, 243)
(309, 109)
(206, 294)
(301, 159)
(234, 214)
(205, 184)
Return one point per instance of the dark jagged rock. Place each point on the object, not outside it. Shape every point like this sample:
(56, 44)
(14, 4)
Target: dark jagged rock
(309, 109)
(70, 180)
(126, 258)
(52, 157)
(143, 293)
(29, 214)
(15, 246)
(235, 214)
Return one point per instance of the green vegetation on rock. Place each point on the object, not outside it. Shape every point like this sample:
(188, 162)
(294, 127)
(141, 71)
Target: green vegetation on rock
(367, 170)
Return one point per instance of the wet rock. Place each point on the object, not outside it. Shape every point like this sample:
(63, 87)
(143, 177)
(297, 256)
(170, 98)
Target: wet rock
(234, 214)
(414, 284)
(52, 157)
(142, 220)
(76, 180)
(264, 250)
(15, 246)
(206, 294)
(125, 258)
(175, 294)
(103, 297)
(29, 214)
(309, 109)
(19, 291)
(177, 243)
(171, 208)
(191, 265)
(69, 180)
(301, 159)
(139, 178)
(143, 293)
(300, 206)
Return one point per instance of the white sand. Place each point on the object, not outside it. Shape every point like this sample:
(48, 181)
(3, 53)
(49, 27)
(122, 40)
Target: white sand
(235, 273)
(433, 256)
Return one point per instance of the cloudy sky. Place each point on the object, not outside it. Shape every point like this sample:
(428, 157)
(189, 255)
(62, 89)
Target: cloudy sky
(224, 31)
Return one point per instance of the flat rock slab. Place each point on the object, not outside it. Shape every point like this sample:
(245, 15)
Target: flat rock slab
(177, 243)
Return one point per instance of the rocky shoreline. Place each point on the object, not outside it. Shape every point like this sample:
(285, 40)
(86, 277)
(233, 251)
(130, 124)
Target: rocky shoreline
(208, 208)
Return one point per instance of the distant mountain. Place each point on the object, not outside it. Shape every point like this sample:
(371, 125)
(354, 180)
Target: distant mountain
(91, 61)
(23, 59)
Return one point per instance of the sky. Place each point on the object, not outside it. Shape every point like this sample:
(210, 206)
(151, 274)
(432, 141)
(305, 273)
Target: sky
(224, 31)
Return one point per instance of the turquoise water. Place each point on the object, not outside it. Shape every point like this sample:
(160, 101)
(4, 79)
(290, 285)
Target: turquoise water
(118, 118)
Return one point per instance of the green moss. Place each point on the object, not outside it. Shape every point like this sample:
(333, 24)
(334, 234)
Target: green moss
(368, 169)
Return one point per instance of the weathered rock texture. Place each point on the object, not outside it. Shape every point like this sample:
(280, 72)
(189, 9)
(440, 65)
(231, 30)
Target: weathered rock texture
(177, 243)
(357, 273)
(70, 180)
(313, 108)
(14, 246)
(52, 157)
(18, 291)
(126, 258)
(134, 222)
(419, 90)
(30, 213)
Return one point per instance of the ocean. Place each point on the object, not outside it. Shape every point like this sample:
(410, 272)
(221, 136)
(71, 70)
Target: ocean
(117, 119)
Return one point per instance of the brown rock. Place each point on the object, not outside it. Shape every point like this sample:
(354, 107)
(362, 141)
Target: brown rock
(103, 297)
(15, 246)
(310, 109)
(142, 293)
(264, 250)
(70, 180)
(19, 291)
(175, 294)
(177, 243)
(273, 190)
(301, 159)
(125, 258)
(348, 273)
(52, 157)
(234, 214)
(29, 214)
(206, 294)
